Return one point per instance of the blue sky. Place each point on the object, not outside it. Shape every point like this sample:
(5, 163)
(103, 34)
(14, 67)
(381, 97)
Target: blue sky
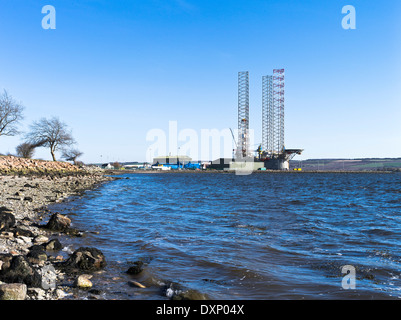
(113, 70)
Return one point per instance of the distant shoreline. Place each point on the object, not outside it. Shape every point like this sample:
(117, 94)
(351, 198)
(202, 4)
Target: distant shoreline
(121, 172)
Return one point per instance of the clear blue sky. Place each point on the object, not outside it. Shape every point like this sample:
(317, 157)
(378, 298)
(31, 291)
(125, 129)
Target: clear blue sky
(113, 70)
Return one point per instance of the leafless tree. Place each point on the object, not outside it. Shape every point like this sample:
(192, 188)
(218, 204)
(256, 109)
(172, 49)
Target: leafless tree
(10, 115)
(72, 155)
(26, 149)
(50, 133)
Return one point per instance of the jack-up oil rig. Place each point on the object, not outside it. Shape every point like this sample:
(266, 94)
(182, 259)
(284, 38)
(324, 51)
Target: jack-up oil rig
(272, 151)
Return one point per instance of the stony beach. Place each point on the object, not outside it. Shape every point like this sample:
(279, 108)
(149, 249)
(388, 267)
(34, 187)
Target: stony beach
(31, 267)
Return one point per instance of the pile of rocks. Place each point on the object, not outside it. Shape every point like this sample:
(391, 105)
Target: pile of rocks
(33, 273)
(11, 164)
(31, 266)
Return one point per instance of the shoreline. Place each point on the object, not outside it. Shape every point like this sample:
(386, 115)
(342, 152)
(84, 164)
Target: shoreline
(121, 172)
(25, 239)
(30, 251)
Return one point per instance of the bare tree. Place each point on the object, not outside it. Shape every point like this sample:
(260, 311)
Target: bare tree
(50, 133)
(26, 149)
(72, 155)
(10, 115)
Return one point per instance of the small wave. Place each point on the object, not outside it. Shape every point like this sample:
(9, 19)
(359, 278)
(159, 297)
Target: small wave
(297, 202)
(68, 249)
(379, 232)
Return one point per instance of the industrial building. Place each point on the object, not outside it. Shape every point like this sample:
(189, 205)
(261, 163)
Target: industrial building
(176, 162)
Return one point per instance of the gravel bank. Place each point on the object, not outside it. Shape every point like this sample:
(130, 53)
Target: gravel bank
(29, 263)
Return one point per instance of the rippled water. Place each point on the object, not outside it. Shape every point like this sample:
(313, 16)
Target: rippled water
(263, 236)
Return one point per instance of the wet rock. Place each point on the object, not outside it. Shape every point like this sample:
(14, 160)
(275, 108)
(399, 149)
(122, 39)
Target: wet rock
(95, 291)
(136, 284)
(7, 219)
(22, 232)
(53, 245)
(190, 294)
(84, 259)
(5, 261)
(136, 268)
(83, 281)
(174, 291)
(13, 291)
(36, 254)
(58, 222)
(36, 294)
(61, 223)
(21, 271)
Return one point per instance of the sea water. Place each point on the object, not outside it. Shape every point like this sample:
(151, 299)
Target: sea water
(261, 236)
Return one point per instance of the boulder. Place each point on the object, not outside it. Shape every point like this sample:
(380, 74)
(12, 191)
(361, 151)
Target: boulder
(22, 232)
(58, 222)
(85, 259)
(20, 271)
(7, 219)
(136, 268)
(13, 291)
(36, 254)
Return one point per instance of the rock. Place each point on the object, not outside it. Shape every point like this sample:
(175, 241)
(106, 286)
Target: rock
(5, 259)
(58, 222)
(95, 291)
(53, 245)
(136, 284)
(25, 239)
(136, 268)
(60, 294)
(29, 199)
(22, 232)
(13, 291)
(7, 235)
(85, 259)
(36, 254)
(174, 291)
(49, 277)
(21, 271)
(190, 295)
(5, 209)
(40, 239)
(83, 281)
(37, 293)
(7, 220)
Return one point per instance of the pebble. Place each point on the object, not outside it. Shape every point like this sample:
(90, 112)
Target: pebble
(136, 284)
(83, 281)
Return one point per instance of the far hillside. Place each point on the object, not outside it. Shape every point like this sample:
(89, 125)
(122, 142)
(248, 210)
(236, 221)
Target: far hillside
(368, 164)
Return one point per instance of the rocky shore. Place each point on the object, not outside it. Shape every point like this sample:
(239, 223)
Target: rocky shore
(30, 264)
